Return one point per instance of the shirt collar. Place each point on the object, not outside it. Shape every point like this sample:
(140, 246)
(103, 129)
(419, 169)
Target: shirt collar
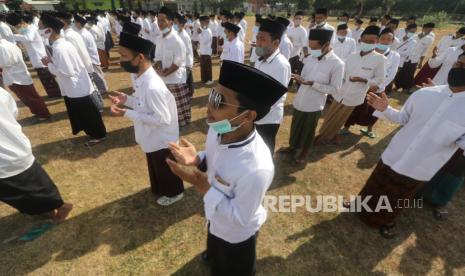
(271, 58)
(238, 144)
(454, 95)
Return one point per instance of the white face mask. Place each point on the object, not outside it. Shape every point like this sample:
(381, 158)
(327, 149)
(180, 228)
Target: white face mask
(166, 30)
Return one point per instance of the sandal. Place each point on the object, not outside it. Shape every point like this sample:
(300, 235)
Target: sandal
(369, 134)
(387, 231)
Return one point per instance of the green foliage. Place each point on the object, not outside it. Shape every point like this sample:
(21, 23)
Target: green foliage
(440, 19)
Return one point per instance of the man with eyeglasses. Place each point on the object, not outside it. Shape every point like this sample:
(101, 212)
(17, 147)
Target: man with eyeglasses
(238, 167)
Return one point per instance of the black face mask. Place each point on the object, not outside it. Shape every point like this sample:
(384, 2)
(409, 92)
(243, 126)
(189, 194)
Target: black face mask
(456, 77)
(128, 67)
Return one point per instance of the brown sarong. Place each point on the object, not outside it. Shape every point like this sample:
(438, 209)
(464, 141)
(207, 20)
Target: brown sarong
(215, 45)
(29, 96)
(425, 73)
(163, 181)
(334, 120)
(396, 187)
(404, 77)
(362, 116)
(104, 62)
(182, 96)
(205, 68)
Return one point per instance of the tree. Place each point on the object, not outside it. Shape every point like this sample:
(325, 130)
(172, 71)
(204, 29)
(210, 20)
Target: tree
(303, 5)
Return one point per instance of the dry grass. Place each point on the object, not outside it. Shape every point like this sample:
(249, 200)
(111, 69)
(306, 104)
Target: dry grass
(117, 229)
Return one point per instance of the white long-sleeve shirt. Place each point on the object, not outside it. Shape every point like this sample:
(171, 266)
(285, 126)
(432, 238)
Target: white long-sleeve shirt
(15, 148)
(67, 66)
(449, 41)
(171, 50)
(11, 61)
(34, 45)
(433, 129)
(205, 42)
(446, 60)
(369, 67)
(233, 50)
(6, 33)
(278, 67)
(91, 46)
(285, 46)
(392, 65)
(327, 74)
(188, 45)
(345, 48)
(153, 112)
(423, 44)
(299, 38)
(234, 208)
(405, 49)
(78, 43)
(99, 36)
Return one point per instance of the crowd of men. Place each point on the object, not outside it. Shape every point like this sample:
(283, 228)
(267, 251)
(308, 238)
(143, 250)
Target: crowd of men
(346, 74)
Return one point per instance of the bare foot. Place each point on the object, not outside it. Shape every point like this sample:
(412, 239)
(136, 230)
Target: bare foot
(62, 213)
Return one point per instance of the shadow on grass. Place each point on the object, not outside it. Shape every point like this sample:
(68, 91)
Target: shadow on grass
(124, 225)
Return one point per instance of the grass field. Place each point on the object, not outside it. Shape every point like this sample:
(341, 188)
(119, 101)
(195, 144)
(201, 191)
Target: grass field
(116, 228)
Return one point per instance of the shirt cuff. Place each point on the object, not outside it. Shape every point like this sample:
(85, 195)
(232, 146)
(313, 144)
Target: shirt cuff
(382, 115)
(131, 114)
(211, 199)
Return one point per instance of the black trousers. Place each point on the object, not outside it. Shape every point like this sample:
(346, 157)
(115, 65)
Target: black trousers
(268, 133)
(232, 258)
(162, 180)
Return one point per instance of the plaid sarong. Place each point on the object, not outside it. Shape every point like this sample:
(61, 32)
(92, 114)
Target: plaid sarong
(182, 96)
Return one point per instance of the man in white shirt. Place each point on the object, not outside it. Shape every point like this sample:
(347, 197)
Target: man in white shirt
(358, 30)
(146, 26)
(213, 26)
(233, 48)
(237, 19)
(445, 61)
(364, 70)
(299, 38)
(235, 156)
(170, 65)
(205, 50)
(408, 59)
(344, 19)
(153, 111)
(179, 26)
(322, 74)
(76, 40)
(18, 79)
(425, 41)
(343, 45)
(321, 17)
(154, 30)
(99, 37)
(253, 56)
(362, 114)
(29, 37)
(285, 45)
(98, 78)
(432, 130)
(385, 21)
(5, 30)
(273, 63)
(75, 83)
(195, 34)
(24, 185)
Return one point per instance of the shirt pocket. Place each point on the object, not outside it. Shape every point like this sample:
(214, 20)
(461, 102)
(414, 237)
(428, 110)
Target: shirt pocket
(365, 72)
(222, 185)
(448, 133)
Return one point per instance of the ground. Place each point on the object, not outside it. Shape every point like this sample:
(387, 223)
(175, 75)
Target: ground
(116, 228)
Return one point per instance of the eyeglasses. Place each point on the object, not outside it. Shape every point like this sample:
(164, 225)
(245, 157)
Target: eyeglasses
(217, 100)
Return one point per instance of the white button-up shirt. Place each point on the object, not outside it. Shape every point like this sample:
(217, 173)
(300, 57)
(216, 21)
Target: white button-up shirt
(76, 40)
(449, 41)
(433, 129)
(153, 112)
(405, 49)
(146, 28)
(243, 24)
(446, 60)
(213, 26)
(99, 36)
(67, 66)
(156, 33)
(278, 67)
(12, 63)
(285, 46)
(171, 50)
(369, 67)
(326, 26)
(34, 45)
(205, 42)
(299, 38)
(195, 34)
(345, 48)
(15, 148)
(235, 209)
(421, 47)
(6, 33)
(356, 34)
(327, 74)
(188, 45)
(233, 50)
(392, 65)
(89, 41)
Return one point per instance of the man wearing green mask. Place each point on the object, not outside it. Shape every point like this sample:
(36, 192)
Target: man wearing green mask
(153, 111)
(232, 191)
(273, 63)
